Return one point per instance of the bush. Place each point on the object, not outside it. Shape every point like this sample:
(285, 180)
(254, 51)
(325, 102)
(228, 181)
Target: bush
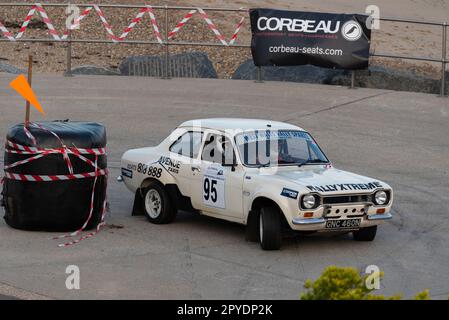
(346, 284)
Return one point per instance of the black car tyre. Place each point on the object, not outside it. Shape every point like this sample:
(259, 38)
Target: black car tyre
(270, 228)
(365, 234)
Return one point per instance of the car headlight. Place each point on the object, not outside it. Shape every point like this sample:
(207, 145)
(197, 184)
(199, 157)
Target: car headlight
(380, 197)
(309, 201)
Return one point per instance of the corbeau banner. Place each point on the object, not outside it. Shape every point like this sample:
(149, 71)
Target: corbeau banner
(289, 38)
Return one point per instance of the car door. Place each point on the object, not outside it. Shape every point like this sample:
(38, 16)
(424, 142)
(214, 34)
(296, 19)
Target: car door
(183, 157)
(219, 189)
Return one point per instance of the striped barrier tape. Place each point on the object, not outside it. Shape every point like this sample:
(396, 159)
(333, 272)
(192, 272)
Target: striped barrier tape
(106, 25)
(42, 178)
(26, 22)
(237, 31)
(76, 23)
(19, 149)
(184, 20)
(212, 26)
(6, 32)
(29, 135)
(47, 21)
(155, 25)
(135, 21)
(127, 30)
(38, 153)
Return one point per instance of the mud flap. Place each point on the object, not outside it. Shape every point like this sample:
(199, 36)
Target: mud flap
(138, 209)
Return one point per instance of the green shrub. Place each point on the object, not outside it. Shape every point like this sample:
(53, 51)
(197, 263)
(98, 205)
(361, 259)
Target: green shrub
(425, 295)
(345, 284)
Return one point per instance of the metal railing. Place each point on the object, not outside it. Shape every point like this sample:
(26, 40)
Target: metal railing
(167, 42)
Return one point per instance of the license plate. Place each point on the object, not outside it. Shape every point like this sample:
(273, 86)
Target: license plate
(343, 224)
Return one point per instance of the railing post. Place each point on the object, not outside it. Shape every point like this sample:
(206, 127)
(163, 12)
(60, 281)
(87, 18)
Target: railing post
(352, 80)
(167, 53)
(68, 71)
(443, 61)
(259, 75)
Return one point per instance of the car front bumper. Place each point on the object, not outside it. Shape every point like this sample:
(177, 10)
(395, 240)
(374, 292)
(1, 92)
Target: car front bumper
(319, 224)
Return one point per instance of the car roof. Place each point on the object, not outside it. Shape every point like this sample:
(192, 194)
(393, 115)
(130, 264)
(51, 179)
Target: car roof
(239, 123)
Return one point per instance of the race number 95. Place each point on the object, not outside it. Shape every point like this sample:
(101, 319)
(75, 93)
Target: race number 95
(214, 192)
(210, 189)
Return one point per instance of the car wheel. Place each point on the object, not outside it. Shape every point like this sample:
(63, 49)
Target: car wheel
(270, 228)
(157, 205)
(365, 234)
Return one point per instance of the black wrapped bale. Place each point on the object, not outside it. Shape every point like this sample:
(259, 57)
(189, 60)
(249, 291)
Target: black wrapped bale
(55, 205)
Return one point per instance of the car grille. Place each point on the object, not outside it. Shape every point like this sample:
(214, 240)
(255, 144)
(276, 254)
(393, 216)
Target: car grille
(347, 199)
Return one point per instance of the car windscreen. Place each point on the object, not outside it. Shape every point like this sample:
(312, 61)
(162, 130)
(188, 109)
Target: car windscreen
(278, 148)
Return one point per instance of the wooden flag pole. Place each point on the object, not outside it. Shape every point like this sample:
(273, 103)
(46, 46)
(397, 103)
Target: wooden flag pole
(30, 76)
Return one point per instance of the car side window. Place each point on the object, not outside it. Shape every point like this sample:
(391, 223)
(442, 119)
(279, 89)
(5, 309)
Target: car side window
(218, 149)
(188, 144)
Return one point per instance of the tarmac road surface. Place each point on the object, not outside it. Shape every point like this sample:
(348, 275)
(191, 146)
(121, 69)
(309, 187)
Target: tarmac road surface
(401, 138)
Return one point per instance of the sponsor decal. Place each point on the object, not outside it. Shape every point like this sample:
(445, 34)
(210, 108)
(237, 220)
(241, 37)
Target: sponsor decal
(149, 170)
(264, 135)
(352, 31)
(290, 38)
(289, 193)
(214, 186)
(127, 173)
(169, 164)
(346, 187)
(297, 25)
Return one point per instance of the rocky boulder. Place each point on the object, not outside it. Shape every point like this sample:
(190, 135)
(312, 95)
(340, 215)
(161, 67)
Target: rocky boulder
(6, 67)
(185, 65)
(306, 73)
(382, 78)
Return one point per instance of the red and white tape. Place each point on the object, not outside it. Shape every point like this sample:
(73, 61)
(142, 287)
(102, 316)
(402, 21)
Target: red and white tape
(76, 23)
(134, 22)
(47, 21)
(91, 209)
(237, 31)
(106, 25)
(212, 26)
(6, 32)
(38, 153)
(127, 30)
(26, 22)
(155, 25)
(17, 148)
(181, 24)
(42, 178)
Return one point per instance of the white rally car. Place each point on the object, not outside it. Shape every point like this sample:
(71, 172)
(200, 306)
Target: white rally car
(264, 174)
